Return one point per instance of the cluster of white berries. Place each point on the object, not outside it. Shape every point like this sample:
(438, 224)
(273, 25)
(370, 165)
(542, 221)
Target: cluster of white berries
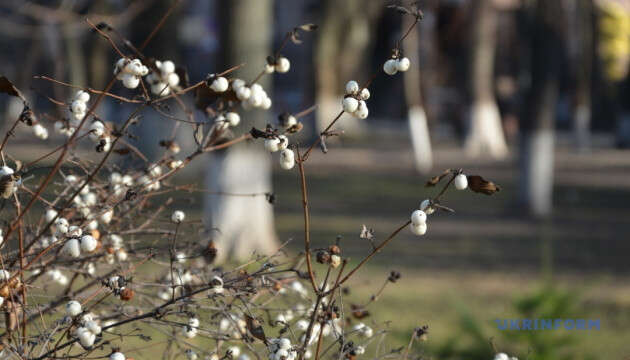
(58, 277)
(229, 119)
(120, 183)
(281, 349)
(281, 65)
(504, 356)
(130, 72)
(167, 79)
(354, 101)
(149, 181)
(233, 324)
(253, 96)
(73, 246)
(40, 131)
(392, 66)
(78, 109)
(190, 331)
(418, 224)
(88, 330)
(363, 330)
(177, 278)
(281, 143)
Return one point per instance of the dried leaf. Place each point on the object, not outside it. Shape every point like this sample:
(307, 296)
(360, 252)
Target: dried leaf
(258, 133)
(295, 38)
(322, 144)
(358, 312)
(271, 198)
(198, 135)
(271, 60)
(7, 185)
(400, 9)
(8, 88)
(204, 97)
(478, 184)
(308, 27)
(255, 328)
(436, 179)
(122, 151)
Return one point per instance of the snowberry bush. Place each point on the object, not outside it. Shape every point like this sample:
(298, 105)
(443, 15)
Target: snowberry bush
(91, 269)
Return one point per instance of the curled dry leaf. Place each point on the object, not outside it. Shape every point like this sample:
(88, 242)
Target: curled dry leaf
(436, 179)
(8, 88)
(478, 184)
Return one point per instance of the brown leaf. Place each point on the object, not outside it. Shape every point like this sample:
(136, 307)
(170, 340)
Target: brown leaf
(8, 88)
(255, 328)
(122, 151)
(478, 184)
(358, 312)
(204, 96)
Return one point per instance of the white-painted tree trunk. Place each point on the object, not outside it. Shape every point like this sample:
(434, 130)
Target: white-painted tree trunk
(243, 225)
(420, 138)
(537, 166)
(485, 132)
(485, 135)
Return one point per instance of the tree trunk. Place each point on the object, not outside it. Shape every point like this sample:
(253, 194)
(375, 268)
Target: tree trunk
(344, 34)
(582, 30)
(537, 125)
(417, 117)
(485, 135)
(243, 224)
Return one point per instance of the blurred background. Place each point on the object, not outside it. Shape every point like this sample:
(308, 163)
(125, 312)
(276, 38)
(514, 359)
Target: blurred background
(532, 94)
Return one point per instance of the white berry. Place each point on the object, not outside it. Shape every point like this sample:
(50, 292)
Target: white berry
(418, 217)
(418, 229)
(352, 87)
(130, 81)
(73, 308)
(390, 67)
(287, 159)
(272, 144)
(283, 65)
(403, 64)
(350, 104)
(233, 118)
(72, 248)
(178, 216)
(365, 94)
(461, 182)
(117, 356)
(219, 84)
(88, 243)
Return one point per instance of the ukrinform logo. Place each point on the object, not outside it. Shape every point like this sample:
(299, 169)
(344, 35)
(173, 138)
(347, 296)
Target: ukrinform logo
(547, 324)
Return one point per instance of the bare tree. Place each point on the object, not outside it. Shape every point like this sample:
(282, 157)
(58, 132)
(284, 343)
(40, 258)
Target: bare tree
(537, 125)
(486, 132)
(243, 224)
